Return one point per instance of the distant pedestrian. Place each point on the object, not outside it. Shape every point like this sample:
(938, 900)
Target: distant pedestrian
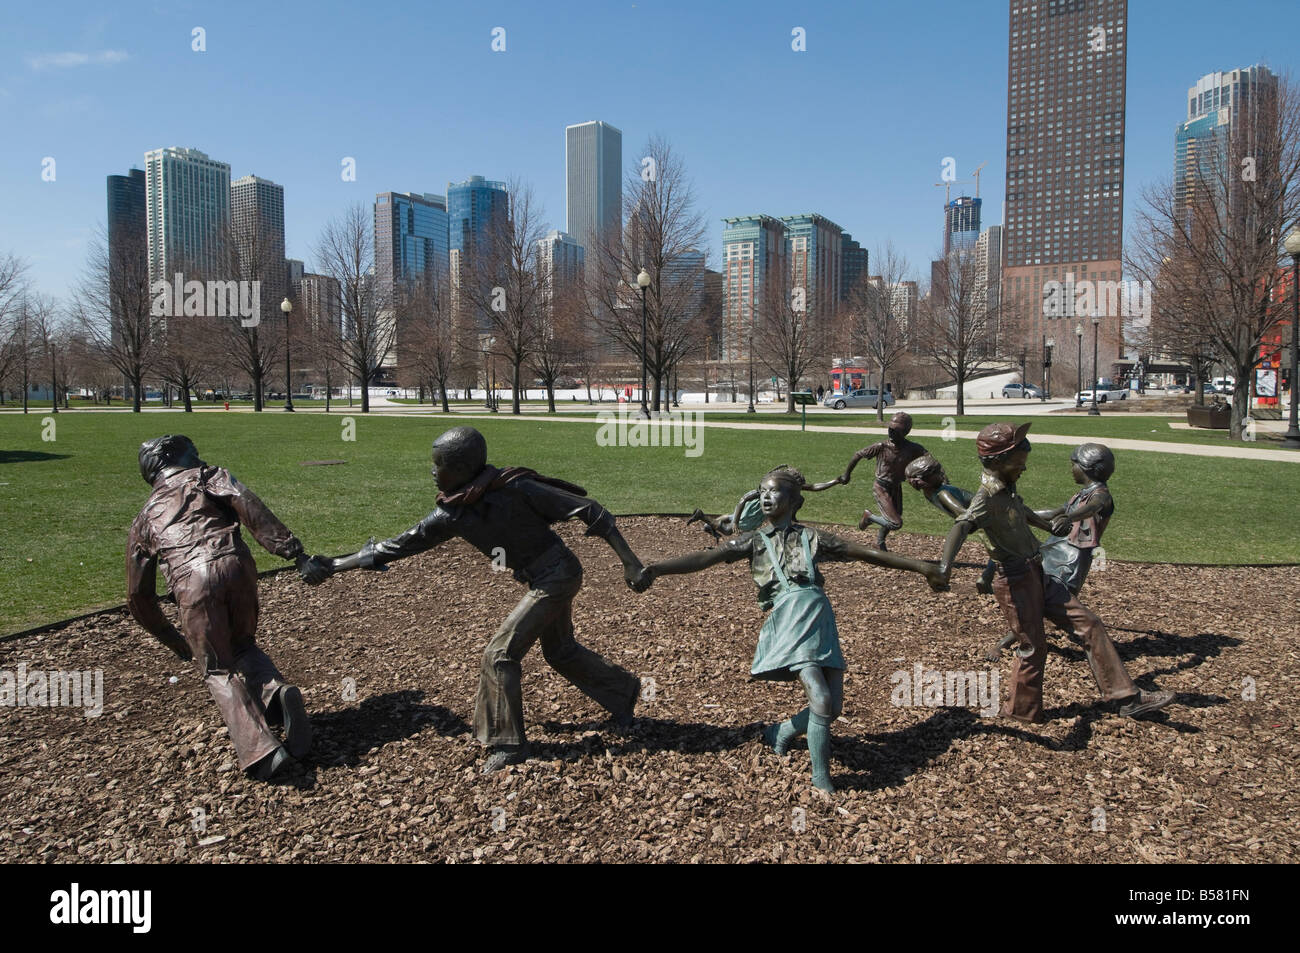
(820, 391)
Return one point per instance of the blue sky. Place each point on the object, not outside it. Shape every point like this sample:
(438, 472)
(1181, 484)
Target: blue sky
(854, 128)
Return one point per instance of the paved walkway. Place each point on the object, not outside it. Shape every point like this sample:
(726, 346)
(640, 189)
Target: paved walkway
(1240, 452)
(383, 408)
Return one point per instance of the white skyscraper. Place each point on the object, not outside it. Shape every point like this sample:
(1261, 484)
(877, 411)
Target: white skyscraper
(187, 203)
(593, 158)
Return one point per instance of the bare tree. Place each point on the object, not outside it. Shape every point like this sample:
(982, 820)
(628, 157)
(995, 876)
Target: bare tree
(345, 252)
(13, 285)
(955, 329)
(48, 337)
(255, 347)
(877, 321)
(504, 285)
(1211, 245)
(785, 340)
(428, 335)
(112, 305)
(663, 234)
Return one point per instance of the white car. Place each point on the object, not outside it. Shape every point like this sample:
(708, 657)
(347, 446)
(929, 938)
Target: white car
(1104, 393)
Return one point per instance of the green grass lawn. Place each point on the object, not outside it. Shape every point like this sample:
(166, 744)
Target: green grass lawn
(66, 505)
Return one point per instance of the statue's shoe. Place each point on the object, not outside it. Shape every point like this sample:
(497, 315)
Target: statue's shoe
(1146, 702)
(297, 726)
(503, 756)
(272, 764)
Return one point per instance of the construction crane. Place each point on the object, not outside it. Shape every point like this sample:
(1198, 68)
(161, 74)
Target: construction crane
(947, 186)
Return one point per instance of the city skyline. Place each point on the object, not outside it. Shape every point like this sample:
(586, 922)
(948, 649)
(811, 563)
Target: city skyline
(876, 182)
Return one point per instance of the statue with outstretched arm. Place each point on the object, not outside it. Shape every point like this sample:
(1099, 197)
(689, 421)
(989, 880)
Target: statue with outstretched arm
(892, 457)
(748, 514)
(509, 513)
(190, 526)
(799, 639)
(1026, 594)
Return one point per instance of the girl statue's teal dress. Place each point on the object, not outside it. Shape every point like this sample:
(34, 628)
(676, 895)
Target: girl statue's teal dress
(799, 630)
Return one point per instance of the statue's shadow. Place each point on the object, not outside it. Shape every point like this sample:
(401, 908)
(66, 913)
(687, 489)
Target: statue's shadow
(344, 738)
(30, 456)
(647, 736)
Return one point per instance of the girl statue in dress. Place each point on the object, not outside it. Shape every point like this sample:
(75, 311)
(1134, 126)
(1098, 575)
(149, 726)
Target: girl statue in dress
(799, 639)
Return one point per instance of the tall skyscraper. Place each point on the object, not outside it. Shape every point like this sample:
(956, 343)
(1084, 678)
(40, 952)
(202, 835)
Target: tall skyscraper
(321, 303)
(1222, 108)
(1065, 162)
(593, 163)
(128, 216)
(988, 284)
(412, 239)
(856, 264)
(560, 260)
(257, 223)
(294, 270)
(187, 200)
(128, 222)
(815, 247)
(754, 257)
(475, 208)
(961, 223)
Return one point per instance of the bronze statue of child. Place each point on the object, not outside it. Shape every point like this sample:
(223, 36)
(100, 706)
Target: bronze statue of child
(1077, 525)
(892, 457)
(1025, 593)
(508, 512)
(191, 526)
(748, 514)
(799, 638)
(927, 475)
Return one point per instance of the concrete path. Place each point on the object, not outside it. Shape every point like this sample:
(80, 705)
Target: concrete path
(1241, 452)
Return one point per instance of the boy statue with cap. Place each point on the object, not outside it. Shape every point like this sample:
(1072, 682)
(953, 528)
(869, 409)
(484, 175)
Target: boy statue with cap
(1025, 593)
(509, 512)
(892, 457)
(191, 526)
(1076, 526)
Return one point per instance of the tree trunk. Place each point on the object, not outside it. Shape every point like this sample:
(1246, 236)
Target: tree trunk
(514, 387)
(550, 396)
(189, 407)
(365, 395)
(961, 390)
(135, 393)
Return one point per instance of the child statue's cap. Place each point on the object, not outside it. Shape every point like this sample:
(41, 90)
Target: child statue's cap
(999, 438)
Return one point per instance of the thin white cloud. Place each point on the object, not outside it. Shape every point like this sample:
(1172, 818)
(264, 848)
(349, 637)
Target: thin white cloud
(69, 60)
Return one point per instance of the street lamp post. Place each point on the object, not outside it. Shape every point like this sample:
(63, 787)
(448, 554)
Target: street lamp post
(751, 409)
(1292, 439)
(1096, 325)
(1047, 366)
(287, 306)
(1078, 391)
(643, 282)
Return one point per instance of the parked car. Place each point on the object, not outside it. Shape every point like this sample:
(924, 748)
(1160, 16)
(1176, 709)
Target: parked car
(857, 398)
(1017, 389)
(1105, 392)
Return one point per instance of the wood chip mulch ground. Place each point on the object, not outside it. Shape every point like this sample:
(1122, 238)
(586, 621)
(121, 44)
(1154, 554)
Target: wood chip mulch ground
(388, 664)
